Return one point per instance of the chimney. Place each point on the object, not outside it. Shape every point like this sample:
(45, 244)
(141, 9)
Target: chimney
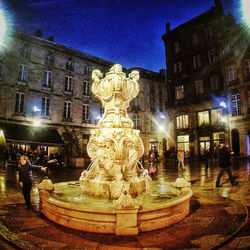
(218, 6)
(167, 27)
(51, 38)
(39, 33)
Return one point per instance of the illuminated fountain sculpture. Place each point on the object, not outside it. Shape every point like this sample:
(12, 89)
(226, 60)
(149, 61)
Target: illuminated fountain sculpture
(115, 147)
(115, 194)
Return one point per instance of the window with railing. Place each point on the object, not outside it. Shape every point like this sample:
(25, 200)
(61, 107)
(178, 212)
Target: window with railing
(182, 121)
(226, 51)
(87, 70)
(67, 110)
(49, 60)
(22, 74)
(68, 84)
(195, 39)
(19, 106)
(86, 113)
(208, 33)
(25, 52)
(232, 73)
(212, 56)
(217, 116)
(203, 118)
(179, 92)
(199, 88)
(197, 61)
(45, 106)
(86, 89)
(214, 81)
(69, 65)
(247, 70)
(236, 104)
(47, 79)
(178, 67)
(136, 121)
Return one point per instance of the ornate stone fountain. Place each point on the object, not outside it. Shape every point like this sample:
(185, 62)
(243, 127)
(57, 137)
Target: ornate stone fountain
(115, 147)
(115, 194)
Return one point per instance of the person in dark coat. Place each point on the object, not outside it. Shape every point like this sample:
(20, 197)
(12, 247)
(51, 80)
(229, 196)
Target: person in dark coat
(224, 164)
(26, 177)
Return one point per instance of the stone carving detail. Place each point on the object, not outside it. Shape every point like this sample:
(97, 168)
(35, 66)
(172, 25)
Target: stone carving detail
(115, 147)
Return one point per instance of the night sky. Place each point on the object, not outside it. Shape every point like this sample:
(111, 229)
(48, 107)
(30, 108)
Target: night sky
(121, 31)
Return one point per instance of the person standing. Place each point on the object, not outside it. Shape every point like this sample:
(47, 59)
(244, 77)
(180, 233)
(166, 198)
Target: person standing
(224, 164)
(26, 177)
(180, 158)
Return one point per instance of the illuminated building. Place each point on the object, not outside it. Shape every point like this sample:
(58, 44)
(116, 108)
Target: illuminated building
(47, 87)
(207, 61)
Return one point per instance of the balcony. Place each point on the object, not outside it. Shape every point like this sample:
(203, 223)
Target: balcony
(67, 119)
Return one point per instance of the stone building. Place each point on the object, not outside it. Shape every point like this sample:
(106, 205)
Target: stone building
(208, 101)
(46, 101)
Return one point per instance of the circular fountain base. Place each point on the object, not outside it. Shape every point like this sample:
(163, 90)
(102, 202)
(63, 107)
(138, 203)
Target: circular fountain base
(65, 207)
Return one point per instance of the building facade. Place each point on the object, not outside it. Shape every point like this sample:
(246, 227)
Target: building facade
(48, 86)
(207, 61)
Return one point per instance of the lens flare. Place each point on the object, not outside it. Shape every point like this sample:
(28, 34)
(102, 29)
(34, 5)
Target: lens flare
(245, 11)
(2, 27)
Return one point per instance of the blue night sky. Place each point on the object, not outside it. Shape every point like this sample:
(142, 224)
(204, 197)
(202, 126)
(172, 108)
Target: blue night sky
(121, 31)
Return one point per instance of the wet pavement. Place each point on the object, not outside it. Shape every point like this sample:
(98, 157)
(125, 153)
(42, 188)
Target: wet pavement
(217, 218)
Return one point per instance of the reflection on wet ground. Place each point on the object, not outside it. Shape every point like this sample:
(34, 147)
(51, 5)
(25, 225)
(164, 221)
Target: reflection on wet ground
(203, 185)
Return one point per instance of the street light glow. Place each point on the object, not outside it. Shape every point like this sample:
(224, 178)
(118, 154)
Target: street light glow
(223, 104)
(36, 123)
(245, 11)
(36, 109)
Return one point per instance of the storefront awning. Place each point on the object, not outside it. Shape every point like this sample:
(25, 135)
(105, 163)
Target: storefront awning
(18, 133)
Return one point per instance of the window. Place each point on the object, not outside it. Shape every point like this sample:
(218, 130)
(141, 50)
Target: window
(178, 67)
(232, 73)
(199, 88)
(226, 51)
(68, 84)
(203, 118)
(1, 70)
(69, 65)
(179, 92)
(236, 104)
(208, 33)
(218, 138)
(87, 70)
(136, 121)
(176, 47)
(86, 87)
(25, 53)
(195, 39)
(19, 107)
(67, 110)
(182, 121)
(212, 56)
(246, 67)
(47, 79)
(152, 104)
(214, 81)
(86, 112)
(136, 103)
(22, 73)
(183, 142)
(217, 116)
(45, 106)
(197, 61)
(49, 60)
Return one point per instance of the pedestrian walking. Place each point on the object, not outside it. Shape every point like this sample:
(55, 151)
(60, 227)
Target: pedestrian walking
(26, 177)
(224, 164)
(207, 157)
(180, 158)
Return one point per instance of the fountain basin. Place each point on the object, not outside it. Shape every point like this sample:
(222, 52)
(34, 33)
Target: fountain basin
(101, 216)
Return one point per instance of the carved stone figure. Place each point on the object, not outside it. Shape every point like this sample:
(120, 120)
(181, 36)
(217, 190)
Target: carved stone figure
(115, 147)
